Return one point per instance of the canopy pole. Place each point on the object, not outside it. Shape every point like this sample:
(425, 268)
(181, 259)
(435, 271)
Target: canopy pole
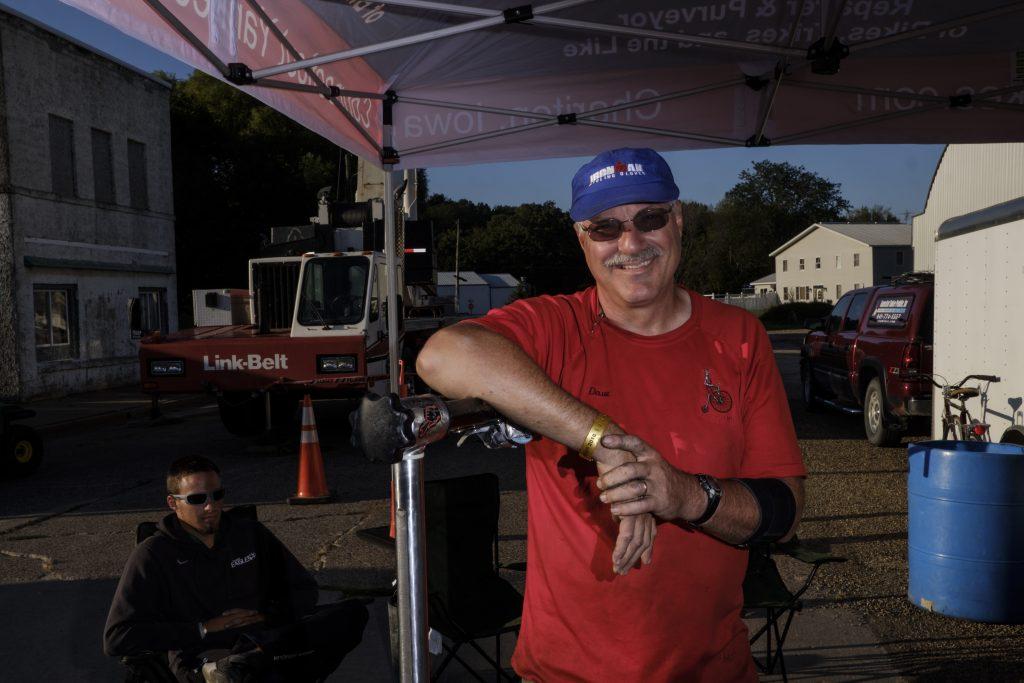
(758, 139)
(189, 37)
(391, 263)
(410, 547)
(272, 25)
(665, 133)
(915, 97)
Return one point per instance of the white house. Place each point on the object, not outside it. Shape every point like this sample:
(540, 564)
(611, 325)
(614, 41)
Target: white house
(827, 259)
(763, 285)
(474, 294)
(86, 212)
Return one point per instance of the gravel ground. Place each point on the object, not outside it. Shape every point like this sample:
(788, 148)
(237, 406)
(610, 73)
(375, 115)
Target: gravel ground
(857, 508)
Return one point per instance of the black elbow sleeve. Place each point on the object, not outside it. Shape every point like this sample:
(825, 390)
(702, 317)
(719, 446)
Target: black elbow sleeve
(778, 508)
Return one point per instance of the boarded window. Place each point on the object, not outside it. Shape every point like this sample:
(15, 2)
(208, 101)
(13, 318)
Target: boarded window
(56, 322)
(138, 183)
(102, 167)
(153, 309)
(62, 156)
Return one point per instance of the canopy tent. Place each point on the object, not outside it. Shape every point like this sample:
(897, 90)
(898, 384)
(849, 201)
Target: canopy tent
(417, 83)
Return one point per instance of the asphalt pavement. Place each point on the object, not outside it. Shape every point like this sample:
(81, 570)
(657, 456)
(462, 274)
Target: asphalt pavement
(66, 532)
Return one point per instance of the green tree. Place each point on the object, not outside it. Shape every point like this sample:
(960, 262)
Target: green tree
(872, 214)
(770, 204)
(239, 168)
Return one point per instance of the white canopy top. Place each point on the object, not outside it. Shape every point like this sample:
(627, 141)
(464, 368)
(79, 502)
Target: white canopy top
(476, 81)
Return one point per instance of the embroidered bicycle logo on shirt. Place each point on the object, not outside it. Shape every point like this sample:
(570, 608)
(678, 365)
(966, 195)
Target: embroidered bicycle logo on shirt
(718, 398)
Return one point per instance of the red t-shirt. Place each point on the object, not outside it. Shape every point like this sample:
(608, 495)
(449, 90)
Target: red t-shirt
(679, 617)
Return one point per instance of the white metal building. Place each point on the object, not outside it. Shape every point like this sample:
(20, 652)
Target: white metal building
(828, 259)
(967, 178)
(972, 234)
(474, 294)
(502, 285)
(86, 212)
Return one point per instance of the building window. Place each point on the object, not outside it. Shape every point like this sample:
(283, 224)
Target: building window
(801, 264)
(153, 309)
(102, 167)
(785, 265)
(899, 258)
(857, 285)
(56, 322)
(839, 262)
(839, 291)
(785, 293)
(138, 185)
(62, 156)
(856, 260)
(817, 263)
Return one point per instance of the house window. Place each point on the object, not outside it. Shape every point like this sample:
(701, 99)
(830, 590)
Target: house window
(801, 264)
(62, 156)
(817, 263)
(839, 291)
(102, 167)
(857, 285)
(899, 258)
(856, 260)
(785, 293)
(839, 262)
(56, 322)
(153, 309)
(785, 265)
(138, 187)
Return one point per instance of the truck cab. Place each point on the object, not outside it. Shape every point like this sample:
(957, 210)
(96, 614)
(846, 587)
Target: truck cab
(866, 355)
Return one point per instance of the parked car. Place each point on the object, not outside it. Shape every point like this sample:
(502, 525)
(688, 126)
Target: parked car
(865, 356)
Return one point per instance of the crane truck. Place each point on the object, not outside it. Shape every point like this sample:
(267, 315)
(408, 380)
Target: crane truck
(317, 321)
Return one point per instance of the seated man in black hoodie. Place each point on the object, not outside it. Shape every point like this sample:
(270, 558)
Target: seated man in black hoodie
(223, 596)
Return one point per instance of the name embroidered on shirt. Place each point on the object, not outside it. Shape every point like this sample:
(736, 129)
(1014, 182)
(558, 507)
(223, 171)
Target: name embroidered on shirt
(597, 392)
(239, 561)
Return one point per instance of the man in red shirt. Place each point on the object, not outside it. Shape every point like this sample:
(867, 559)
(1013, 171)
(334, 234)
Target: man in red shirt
(660, 413)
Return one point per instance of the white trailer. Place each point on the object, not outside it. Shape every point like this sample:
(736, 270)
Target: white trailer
(979, 329)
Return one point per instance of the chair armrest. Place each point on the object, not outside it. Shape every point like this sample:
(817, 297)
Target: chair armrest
(795, 549)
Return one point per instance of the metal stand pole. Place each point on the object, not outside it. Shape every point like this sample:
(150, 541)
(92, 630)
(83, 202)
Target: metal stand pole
(412, 566)
(391, 259)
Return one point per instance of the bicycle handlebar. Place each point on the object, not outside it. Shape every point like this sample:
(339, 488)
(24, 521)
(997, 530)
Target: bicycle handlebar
(931, 376)
(385, 426)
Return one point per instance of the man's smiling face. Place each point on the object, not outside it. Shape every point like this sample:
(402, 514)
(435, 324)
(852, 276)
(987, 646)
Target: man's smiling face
(638, 267)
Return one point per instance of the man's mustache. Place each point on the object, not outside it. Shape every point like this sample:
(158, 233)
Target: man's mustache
(646, 254)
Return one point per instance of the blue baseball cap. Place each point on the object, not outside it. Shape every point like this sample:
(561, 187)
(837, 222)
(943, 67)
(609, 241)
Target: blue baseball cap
(621, 176)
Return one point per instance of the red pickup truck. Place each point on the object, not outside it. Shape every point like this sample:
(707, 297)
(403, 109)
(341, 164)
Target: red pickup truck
(862, 357)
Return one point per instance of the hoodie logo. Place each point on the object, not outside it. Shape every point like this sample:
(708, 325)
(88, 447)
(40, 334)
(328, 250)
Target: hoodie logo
(239, 561)
(181, 562)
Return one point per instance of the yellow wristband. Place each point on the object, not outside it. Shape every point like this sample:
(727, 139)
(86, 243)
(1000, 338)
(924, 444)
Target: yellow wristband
(593, 439)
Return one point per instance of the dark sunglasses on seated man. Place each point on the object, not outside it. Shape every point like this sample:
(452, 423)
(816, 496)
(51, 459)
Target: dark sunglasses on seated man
(199, 498)
(646, 220)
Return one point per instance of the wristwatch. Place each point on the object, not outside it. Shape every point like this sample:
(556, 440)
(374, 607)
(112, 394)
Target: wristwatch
(713, 490)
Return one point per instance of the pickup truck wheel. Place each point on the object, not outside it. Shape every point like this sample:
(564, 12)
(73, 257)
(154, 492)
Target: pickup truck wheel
(876, 426)
(808, 392)
(22, 451)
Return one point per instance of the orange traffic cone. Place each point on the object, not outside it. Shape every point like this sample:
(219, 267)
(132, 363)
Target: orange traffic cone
(312, 486)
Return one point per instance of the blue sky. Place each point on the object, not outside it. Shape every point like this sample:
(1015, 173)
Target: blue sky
(896, 176)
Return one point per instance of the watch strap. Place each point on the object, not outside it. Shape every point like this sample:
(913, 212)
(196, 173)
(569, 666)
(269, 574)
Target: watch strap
(713, 490)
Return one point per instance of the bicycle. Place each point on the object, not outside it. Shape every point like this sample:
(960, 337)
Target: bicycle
(956, 418)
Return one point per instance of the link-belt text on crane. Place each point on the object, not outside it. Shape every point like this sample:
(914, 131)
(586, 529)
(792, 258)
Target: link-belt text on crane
(250, 361)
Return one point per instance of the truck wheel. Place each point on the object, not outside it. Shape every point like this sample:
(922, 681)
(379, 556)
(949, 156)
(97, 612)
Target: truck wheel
(876, 427)
(22, 451)
(808, 392)
(241, 414)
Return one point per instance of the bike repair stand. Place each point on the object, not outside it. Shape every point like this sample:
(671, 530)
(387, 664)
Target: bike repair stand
(398, 430)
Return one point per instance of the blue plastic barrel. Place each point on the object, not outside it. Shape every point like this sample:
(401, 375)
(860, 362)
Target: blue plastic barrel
(965, 535)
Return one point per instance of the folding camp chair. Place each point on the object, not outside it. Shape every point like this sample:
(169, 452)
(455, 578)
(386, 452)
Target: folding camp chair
(763, 588)
(152, 667)
(468, 600)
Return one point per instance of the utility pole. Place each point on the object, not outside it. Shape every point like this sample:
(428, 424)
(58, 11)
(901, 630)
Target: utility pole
(458, 230)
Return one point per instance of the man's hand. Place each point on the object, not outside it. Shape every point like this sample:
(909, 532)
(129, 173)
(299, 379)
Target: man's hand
(649, 485)
(636, 532)
(233, 618)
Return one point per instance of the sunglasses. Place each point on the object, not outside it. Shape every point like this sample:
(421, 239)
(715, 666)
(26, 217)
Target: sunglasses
(199, 498)
(645, 220)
